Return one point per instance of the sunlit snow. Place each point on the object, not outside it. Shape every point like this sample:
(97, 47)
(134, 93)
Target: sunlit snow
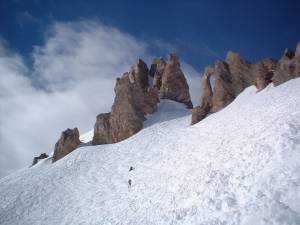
(238, 166)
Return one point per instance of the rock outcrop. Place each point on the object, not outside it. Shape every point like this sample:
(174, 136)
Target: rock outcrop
(134, 99)
(200, 112)
(173, 83)
(37, 158)
(232, 76)
(207, 93)
(235, 74)
(67, 143)
(288, 66)
(226, 86)
(264, 72)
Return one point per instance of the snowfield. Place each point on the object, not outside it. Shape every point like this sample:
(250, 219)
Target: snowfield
(238, 166)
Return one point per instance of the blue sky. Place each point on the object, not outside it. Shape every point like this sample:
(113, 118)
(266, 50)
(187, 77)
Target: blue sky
(200, 31)
(59, 59)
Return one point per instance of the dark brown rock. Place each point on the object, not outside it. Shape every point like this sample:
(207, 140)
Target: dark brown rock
(198, 114)
(37, 158)
(67, 143)
(134, 99)
(288, 66)
(288, 53)
(173, 83)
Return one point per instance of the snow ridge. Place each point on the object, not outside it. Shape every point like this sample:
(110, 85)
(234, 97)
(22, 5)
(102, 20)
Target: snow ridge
(238, 166)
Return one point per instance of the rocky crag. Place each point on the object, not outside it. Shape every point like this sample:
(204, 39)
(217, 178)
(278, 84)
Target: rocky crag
(135, 97)
(235, 74)
(68, 142)
(138, 92)
(37, 158)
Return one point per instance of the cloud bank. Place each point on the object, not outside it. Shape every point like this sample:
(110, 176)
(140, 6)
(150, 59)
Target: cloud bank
(71, 80)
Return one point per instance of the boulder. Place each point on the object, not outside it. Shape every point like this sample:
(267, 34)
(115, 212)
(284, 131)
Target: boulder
(173, 83)
(37, 158)
(67, 143)
(198, 114)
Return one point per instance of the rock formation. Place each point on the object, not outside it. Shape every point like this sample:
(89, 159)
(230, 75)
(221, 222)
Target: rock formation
(200, 112)
(235, 74)
(207, 93)
(37, 158)
(232, 76)
(68, 142)
(264, 71)
(226, 85)
(239, 72)
(173, 83)
(288, 66)
(134, 99)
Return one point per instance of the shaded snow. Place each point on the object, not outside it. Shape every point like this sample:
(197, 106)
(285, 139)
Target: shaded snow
(238, 166)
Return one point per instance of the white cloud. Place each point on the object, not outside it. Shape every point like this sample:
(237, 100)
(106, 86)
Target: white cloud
(83, 50)
(193, 78)
(71, 81)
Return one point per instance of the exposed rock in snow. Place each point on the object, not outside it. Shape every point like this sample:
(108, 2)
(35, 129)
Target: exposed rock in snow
(264, 71)
(200, 112)
(173, 83)
(239, 72)
(67, 143)
(226, 85)
(235, 74)
(134, 99)
(37, 158)
(231, 77)
(288, 66)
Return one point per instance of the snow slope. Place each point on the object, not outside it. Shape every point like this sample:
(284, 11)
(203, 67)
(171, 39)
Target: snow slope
(238, 166)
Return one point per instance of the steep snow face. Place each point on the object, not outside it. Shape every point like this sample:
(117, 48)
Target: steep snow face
(238, 166)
